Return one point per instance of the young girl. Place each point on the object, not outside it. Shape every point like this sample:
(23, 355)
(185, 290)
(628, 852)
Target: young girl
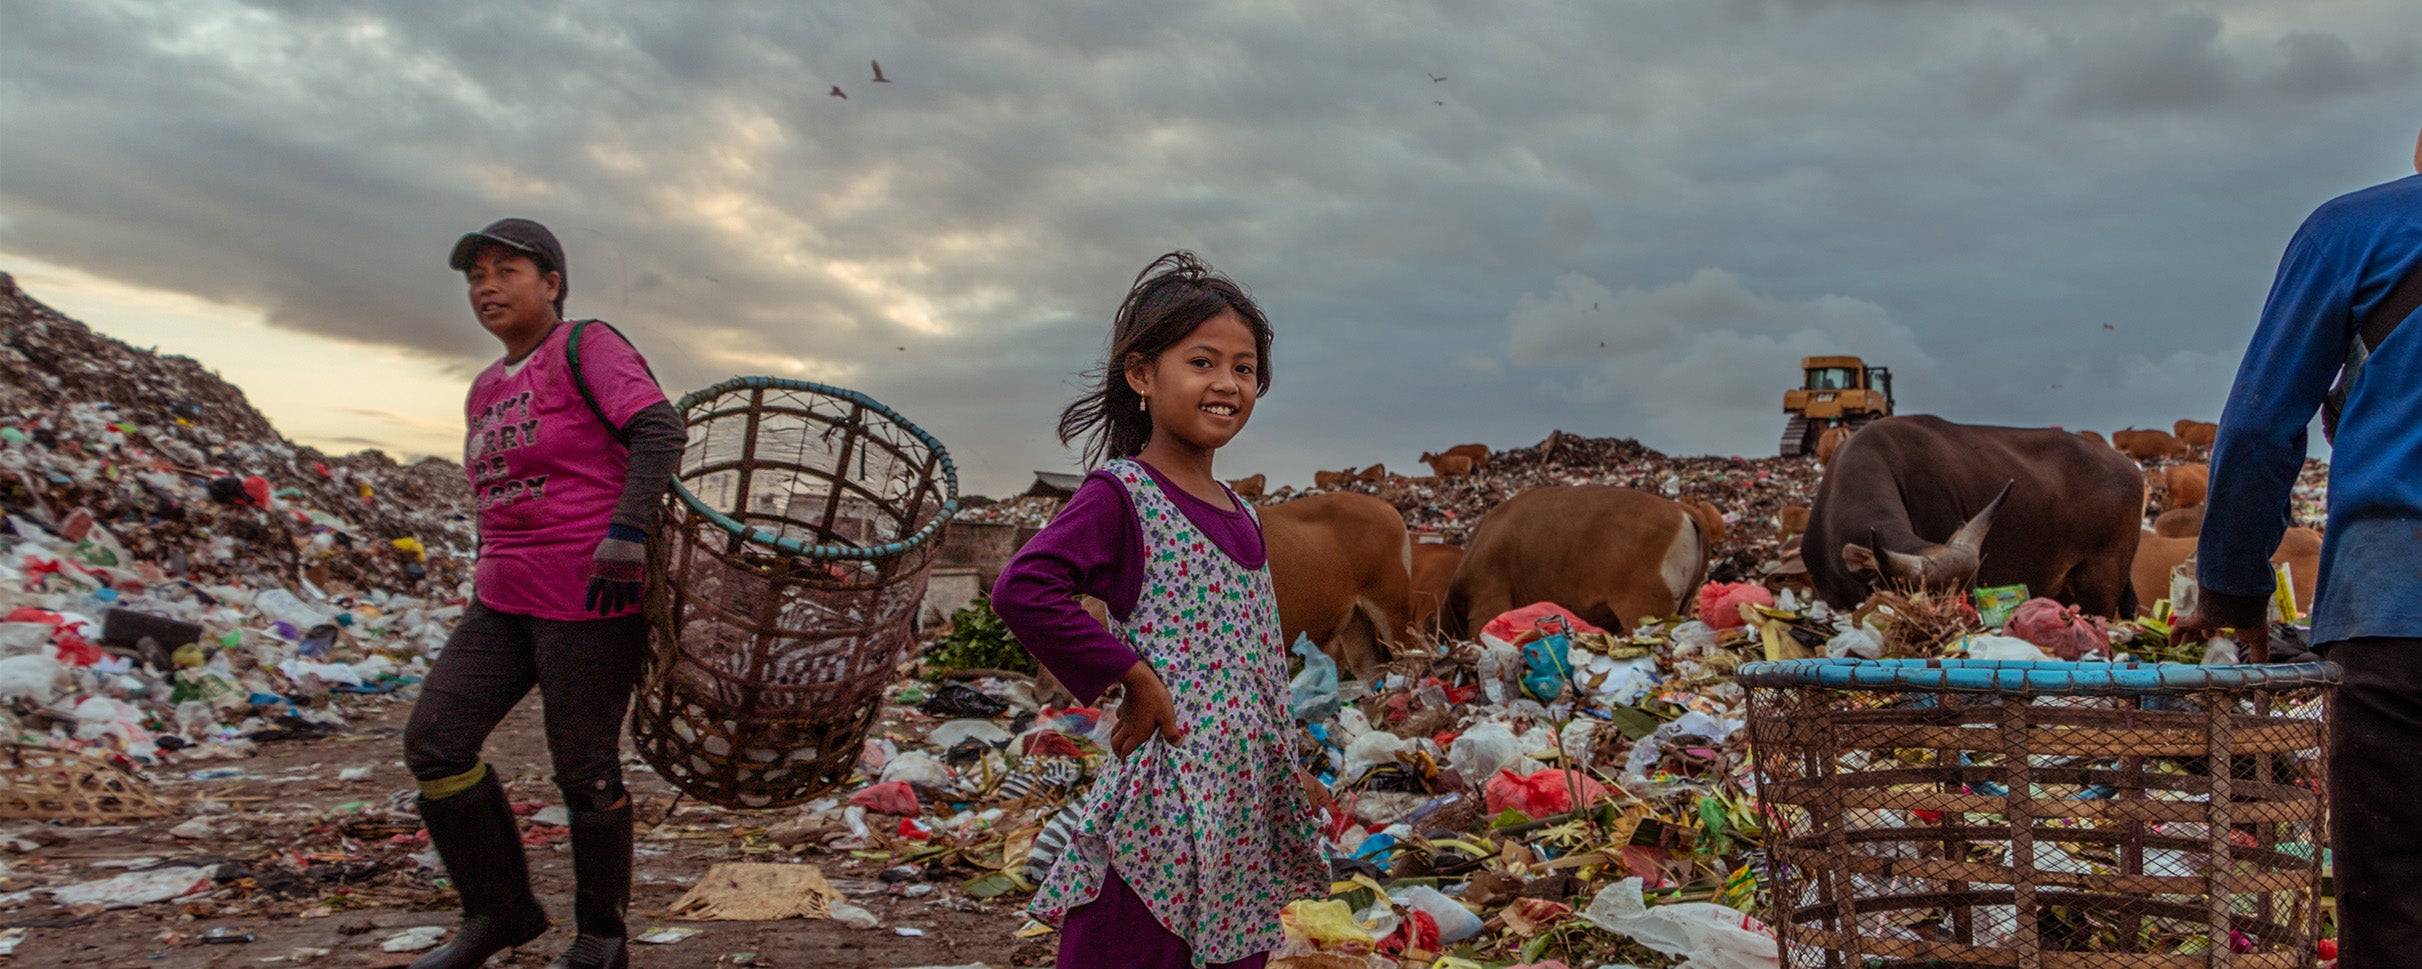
(1197, 834)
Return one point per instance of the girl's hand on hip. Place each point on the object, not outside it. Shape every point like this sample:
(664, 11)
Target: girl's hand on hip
(1146, 711)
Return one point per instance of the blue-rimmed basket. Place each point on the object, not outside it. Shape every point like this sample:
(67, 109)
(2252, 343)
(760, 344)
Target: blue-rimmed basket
(795, 548)
(1971, 813)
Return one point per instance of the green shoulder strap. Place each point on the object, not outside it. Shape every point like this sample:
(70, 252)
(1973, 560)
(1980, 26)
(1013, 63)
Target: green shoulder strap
(571, 352)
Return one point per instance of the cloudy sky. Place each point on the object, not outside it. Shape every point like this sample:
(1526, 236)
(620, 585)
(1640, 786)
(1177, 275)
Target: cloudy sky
(1616, 217)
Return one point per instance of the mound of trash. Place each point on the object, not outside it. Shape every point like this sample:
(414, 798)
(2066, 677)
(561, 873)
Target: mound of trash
(177, 580)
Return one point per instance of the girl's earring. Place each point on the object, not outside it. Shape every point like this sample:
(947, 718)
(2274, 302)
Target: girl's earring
(1139, 404)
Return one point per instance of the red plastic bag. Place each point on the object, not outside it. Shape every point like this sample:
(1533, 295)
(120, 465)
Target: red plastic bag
(1542, 793)
(2063, 631)
(1720, 602)
(889, 797)
(1521, 625)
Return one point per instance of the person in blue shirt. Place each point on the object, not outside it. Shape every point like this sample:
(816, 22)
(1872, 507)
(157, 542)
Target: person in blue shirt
(2345, 260)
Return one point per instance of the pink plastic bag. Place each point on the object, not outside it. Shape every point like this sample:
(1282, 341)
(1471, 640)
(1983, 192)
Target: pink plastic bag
(889, 797)
(2063, 631)
(1720, 602)
(1521, 625)
(1540, 794)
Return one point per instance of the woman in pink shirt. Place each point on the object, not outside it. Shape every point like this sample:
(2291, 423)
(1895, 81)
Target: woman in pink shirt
(569, 457)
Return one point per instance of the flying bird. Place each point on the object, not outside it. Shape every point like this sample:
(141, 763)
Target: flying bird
(879, 78)
(1433, 77)
(2111, 328)
(836, 92)
(1439, 103)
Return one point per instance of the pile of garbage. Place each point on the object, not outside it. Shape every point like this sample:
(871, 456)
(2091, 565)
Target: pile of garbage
(179, 582)
(1550, 793)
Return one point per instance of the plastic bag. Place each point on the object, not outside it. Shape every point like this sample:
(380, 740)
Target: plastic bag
(961, 700)
(2004, 648)
(1541, 794)
(1312, 695)
(1858, 641)
(1518, 626)
(1483, 749)
(1703, 935)
(1995, 604)
(1326, 925)
(1720, 603)
(889, 797)
(2063, 631)
(1547, 666)
(1455, 923)
(1371, 750)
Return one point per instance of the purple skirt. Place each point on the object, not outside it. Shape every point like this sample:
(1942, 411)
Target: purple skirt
(1117, 931)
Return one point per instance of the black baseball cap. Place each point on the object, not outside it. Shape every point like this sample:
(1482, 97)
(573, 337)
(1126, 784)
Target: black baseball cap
(520, 235)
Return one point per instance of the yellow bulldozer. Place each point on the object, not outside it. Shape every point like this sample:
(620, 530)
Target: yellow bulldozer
(1838, 392)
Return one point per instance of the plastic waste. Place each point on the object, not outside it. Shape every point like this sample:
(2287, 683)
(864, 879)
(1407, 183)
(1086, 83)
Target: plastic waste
(1649, 749)
(961, 700)
(1324, 924)
(1720, 602)
(1994, 604)
(1542, 793)
(2003, 648)
(1455, 922)
(1546, 659)
(2066, 632)
(889, 797)
(1859, 641)
(1703, 935)
(1483, 749)
(1312, 695)
(137, 888)
(1371, 750)
(951, 734)
(919, 769)
(414, 939)
(33, 677)
(1518, 626)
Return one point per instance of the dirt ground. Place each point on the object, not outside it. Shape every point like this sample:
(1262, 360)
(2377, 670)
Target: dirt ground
(328, 873)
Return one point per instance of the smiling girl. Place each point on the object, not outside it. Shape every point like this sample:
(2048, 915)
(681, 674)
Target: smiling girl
(1198, 832)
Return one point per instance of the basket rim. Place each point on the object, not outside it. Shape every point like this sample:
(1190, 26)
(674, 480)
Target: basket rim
(792, 546)
(2038, 677)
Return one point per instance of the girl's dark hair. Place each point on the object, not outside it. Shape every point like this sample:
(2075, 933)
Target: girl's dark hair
(1171, 297)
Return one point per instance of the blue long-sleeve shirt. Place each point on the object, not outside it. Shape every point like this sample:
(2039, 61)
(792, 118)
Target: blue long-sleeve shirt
(2343, 261)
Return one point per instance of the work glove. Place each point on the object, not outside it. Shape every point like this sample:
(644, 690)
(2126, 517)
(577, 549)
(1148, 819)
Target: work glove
(618, 571)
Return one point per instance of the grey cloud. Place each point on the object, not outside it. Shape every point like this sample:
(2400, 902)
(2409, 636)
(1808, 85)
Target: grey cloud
(1943, 183)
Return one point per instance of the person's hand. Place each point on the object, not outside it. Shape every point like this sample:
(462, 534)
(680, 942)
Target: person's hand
(618, 570)
(2194, 628)
(1146, 711)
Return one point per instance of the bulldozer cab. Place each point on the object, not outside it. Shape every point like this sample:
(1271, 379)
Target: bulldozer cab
(1835, 392)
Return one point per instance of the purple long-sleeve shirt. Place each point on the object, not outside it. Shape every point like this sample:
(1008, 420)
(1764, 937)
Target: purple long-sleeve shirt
(1095, 547)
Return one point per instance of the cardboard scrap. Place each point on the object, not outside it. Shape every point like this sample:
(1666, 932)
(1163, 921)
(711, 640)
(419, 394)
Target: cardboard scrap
(757, 892)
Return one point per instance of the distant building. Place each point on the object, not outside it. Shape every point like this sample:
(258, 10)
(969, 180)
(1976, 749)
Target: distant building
(1049, 484)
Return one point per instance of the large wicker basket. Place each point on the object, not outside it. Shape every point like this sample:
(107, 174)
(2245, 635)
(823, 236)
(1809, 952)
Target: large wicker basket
(2115, 816)
(795, 549)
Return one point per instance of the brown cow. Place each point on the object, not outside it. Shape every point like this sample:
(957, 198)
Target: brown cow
(1341, 565)
(1332, 480)
(2179, 523)
(1709, 517)
(1829, 442)
(1479, 453)
(2157, 555)
(2149, 445)
(2196, 434)
(1375, 474)
(2183, 485)
(1791, 522)
(1449, 465)
(1249, 487)
(1433, 569)
(1613, 556)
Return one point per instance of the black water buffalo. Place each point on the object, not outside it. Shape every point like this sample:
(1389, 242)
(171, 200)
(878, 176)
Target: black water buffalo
(1920, 501)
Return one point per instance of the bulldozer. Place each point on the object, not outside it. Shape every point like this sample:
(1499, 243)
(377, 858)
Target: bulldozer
(1838, 392)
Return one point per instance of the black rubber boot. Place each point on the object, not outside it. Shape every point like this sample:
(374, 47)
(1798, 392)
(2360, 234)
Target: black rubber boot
(601, 872)
(479, 841)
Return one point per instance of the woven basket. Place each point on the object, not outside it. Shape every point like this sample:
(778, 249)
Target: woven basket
(1968, 813)
(795, 550)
